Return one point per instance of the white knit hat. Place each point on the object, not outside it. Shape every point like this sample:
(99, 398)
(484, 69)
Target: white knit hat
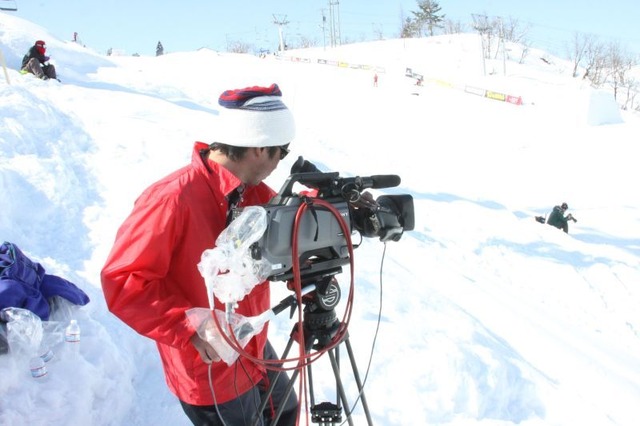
(254, 117)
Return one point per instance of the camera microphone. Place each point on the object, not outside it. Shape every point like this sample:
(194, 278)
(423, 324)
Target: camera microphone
(375, 182)
(381, 181)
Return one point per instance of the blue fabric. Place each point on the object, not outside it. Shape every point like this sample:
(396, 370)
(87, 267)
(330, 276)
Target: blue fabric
(24, 284)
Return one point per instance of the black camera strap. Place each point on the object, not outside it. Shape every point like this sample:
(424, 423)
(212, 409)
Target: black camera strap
(233, 199)
(309, 202)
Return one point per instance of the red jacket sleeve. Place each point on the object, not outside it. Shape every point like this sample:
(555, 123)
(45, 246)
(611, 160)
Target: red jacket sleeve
(134, 278)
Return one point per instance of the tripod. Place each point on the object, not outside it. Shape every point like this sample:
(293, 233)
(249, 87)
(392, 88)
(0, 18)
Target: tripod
(320, 325)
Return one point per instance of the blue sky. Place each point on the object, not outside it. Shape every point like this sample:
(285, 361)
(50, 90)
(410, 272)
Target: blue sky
(136, 26)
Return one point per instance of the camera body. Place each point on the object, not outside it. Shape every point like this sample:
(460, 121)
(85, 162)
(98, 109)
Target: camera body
(322, 243)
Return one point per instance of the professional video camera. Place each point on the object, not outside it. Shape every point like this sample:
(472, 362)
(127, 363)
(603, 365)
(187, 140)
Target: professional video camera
(321, 241)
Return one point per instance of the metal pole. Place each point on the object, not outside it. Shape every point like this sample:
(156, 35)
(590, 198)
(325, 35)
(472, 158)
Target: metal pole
(4, 67)
(504, 58)
(10, 7)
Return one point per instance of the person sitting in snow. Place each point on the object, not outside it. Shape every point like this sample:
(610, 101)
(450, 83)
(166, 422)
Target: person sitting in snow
(37, 63)
(558, 219)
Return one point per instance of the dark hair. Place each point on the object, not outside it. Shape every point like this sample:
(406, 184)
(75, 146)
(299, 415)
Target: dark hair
(235, 153)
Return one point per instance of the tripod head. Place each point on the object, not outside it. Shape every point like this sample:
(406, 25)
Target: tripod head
(319, 314)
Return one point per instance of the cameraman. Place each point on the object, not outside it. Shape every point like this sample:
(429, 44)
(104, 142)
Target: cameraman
(151, 278)
(558, 219)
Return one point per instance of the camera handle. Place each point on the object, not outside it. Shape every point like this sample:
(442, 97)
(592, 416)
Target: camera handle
(320, 325)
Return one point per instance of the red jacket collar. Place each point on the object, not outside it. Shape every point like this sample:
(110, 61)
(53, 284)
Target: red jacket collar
(226, 181)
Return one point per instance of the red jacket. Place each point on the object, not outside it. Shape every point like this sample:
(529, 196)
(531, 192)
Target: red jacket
(151, 277)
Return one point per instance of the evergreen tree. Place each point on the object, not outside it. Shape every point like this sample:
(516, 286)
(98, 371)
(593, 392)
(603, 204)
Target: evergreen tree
(429, 15)
(410, 29)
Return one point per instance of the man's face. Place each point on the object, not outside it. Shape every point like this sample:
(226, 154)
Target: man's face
(262, 165)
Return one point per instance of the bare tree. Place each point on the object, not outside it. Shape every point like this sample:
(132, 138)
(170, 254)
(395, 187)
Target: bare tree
(238, 47)
(633, 87)
(605, 65)
(378, 33)
(595, 64)
(513, 31)
(306, 42)
(525, 45)
(582, 43)
(453, 27)
(620, 63)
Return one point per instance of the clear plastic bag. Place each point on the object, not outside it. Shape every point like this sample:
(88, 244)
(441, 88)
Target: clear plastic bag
(244, 328)
(24, 331)
(229, 271)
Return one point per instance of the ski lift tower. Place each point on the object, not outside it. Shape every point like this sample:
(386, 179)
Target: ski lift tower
(9, 6)
(280, 23)
(334, 17)
(481, 24)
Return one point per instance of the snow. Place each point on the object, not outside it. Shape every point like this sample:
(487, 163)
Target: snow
(479, 316)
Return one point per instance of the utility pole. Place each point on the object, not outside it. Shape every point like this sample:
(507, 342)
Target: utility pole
(280, 23)
(504, 56)
(334, 16)
(324, 36)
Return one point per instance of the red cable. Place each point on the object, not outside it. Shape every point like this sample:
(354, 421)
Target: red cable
(303, 360)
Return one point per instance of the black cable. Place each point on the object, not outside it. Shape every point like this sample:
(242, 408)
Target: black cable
(213, 393)
(253, 385)
(375, 335)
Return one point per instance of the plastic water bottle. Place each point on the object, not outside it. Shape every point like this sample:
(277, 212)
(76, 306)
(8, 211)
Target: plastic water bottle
(46, 353)
(72, 337)
(38, 368)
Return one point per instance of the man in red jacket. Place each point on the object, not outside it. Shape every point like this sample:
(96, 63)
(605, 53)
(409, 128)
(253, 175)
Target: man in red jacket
(151, 276)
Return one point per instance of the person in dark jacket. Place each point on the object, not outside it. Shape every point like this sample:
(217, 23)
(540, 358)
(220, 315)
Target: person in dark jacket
(37, 62)
(558, 219)
(159, 49)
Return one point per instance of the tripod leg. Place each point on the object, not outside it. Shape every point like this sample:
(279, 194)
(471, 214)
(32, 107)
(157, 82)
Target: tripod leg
(272, 385)
(341, 392)
(356, 375)
(287, 395)
(307, 348)
(312, 399)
